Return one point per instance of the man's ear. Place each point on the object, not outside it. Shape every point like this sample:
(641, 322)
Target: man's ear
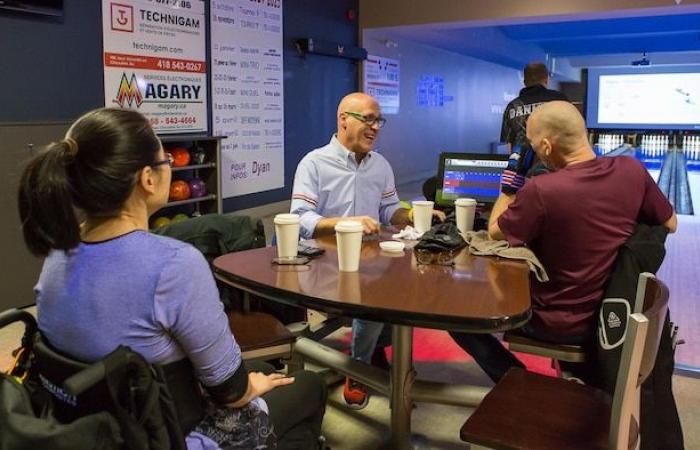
(146, 180)
(547, 146)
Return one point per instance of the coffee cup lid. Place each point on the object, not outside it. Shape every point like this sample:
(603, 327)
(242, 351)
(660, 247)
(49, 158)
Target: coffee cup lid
(348, 226)
(422, 203)
(286, 219)
(465, 202)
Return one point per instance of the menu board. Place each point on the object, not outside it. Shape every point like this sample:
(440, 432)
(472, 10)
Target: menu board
(155, 61)
(248, 94)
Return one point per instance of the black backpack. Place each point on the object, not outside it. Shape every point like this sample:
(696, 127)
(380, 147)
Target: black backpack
(23, 427)
(50, 401)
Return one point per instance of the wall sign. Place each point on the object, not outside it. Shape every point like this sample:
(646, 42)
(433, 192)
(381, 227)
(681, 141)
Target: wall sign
(381, 79)
(155, 61)
(430, 92)
(248, 93)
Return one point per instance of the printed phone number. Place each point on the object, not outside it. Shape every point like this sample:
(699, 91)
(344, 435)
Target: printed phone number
(179, 65)
(173, 120)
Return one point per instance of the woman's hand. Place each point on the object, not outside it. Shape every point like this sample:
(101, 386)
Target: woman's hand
(261, 383)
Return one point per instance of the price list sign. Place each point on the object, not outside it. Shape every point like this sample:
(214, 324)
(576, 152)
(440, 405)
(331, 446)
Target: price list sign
(248, 94)
(381, 81)
(155, 61)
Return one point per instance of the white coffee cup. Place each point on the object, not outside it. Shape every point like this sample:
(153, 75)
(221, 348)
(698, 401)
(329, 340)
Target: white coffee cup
(422, 215)
(348, 235)
(464, 210)
(287, 232)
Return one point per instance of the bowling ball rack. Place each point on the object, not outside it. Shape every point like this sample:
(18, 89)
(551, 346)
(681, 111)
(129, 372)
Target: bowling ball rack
(197, 168)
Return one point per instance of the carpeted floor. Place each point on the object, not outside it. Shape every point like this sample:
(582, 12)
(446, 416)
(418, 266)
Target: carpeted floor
(434, 426)
(438, 358)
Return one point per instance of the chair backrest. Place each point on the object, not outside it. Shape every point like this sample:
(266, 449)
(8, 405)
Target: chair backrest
(638, 355)
(652, 301)
(217, 234)
(122, 383)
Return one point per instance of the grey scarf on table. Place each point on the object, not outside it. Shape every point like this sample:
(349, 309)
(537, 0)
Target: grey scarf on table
(480, 244)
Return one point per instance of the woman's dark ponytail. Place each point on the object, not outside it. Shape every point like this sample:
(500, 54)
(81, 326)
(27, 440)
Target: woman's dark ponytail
(93, 171)
(46, 201)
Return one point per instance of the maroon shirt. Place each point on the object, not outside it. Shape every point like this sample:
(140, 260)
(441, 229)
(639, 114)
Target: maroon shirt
(575, 220)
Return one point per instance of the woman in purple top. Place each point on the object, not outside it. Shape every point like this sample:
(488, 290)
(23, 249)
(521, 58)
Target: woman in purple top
(107, 281)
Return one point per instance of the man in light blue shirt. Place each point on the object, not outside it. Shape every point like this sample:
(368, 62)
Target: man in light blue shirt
(346, 180)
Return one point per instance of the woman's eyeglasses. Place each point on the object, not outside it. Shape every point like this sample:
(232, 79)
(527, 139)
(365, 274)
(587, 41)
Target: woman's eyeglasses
(168, 160)
(445, 258)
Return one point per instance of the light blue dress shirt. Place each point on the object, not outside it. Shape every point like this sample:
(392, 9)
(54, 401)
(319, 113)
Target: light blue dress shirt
(330, 183)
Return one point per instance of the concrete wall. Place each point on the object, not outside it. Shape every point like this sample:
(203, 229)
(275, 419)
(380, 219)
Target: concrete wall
(469, 122)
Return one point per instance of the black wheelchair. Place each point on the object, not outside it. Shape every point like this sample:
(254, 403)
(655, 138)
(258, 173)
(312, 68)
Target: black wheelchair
(51, 401)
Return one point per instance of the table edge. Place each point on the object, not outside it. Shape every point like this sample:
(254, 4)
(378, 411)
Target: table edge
(441, 322)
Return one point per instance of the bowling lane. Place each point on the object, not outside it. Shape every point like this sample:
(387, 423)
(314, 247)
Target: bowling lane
(692, 157)
(680, 181)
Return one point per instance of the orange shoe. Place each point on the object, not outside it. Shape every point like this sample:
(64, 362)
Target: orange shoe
(355, 394)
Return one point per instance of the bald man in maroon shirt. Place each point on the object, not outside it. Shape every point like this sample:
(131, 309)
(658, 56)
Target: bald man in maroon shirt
(574, 219)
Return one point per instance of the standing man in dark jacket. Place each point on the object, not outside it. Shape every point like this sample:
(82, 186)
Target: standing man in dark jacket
(535, 92)
(523, 162)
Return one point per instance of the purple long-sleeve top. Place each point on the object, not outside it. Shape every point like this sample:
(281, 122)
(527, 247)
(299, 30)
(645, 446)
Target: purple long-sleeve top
(152, 293)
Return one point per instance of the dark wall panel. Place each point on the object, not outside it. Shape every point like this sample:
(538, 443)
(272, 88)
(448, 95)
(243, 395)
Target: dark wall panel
(51, 69)
(19, 270)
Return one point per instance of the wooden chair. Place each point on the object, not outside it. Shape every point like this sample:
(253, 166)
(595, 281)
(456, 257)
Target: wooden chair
(261, 336)
(530, 411)
(518, 342)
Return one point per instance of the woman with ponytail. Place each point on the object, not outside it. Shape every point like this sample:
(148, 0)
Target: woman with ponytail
(84, 203)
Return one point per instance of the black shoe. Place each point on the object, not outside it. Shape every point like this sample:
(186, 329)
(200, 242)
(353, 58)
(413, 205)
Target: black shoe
(379, 359)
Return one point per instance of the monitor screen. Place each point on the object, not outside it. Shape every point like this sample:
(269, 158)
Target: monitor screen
(644, 98)
(472, 175)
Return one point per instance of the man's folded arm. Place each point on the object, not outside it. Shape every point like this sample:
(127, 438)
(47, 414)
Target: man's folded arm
(499, 208)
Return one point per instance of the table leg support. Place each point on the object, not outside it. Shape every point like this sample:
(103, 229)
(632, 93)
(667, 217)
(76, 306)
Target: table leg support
(402, 377)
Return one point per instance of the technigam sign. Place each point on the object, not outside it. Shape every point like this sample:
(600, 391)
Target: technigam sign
(155, 61)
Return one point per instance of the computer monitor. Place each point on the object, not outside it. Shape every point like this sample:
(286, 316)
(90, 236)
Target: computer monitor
(473, 175)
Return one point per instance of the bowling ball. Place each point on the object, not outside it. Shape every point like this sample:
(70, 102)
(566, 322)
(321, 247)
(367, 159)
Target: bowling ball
(179, 190)
(199, 156)
(161, 222)
(197, 188)
(181, 156)
(179, 218)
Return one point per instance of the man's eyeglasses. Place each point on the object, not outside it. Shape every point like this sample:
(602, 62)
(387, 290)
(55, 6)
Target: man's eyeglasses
(369, 120)
(168, 160)
(439, 258)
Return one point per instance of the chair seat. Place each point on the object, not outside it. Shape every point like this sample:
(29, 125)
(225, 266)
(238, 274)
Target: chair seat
(256, 330)
(530, 411)
(561, 352)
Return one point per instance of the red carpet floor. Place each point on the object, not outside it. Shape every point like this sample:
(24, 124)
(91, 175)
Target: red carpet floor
(435, 345)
